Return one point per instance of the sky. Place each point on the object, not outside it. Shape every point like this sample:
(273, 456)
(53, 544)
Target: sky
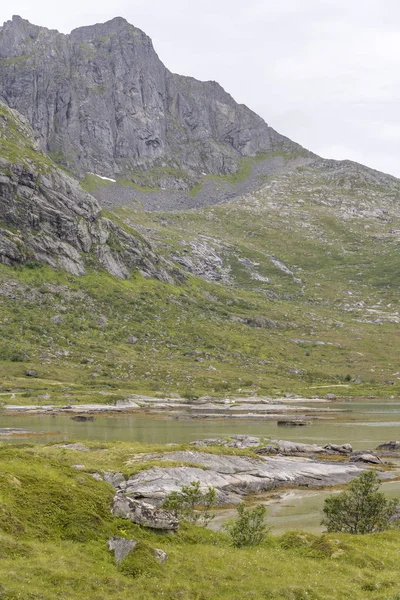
(325, 73)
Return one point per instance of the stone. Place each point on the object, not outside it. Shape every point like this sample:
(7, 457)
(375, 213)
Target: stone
(330, 396)
(339, 448)
(31, 373)
(114, 479)
(160, 555)
(78, 467)
(392, 446)
(143, 513)
(131, 339)
(57, 319)
(293, 423)
(121, 547)
(82, 418)
(366, 457)
(75, 446)
(288, 448)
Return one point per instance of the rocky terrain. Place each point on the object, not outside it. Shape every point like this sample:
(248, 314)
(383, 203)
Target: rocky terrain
(45, 216)
(101, 101)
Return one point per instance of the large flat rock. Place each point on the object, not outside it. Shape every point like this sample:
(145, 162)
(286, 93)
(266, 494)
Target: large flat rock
(235, 476)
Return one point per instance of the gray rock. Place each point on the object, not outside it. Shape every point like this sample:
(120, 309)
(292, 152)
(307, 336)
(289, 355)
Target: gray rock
(57, 222)
(392, 446)
(75, 446)
(366, 457)
(31, 373)
(131, 339)
(101, 101)
(143, 513)
(233, 476)
(121, 547)
(293, 423)
(288, 448)
(57, 319)
(114, 479)
(160, 555)
(339, 448)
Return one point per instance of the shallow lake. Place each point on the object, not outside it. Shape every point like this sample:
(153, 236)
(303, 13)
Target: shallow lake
(298, 509)
(364, 424)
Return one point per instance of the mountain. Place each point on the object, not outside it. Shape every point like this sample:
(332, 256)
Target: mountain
(101, 101)
(282, 277)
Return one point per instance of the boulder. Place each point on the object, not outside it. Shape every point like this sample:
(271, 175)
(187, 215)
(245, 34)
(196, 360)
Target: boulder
(390, 446)
(114, 479)
(160, 555)
(243, 441)
(298, 448)
(121, 547)
(31, 373)
(143, 513)
(365, 456)
(131, 339)
(340, 449)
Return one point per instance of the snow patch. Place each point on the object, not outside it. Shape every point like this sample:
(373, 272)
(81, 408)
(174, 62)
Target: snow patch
(105, 178)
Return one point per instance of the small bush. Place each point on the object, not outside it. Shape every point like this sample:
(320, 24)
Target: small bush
(361, 509)
(249, 528)
(183, 504)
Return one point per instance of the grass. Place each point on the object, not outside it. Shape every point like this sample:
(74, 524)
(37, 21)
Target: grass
(93, 182)
(55, 522)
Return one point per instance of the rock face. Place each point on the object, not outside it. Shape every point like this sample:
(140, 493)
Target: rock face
(121, 547)
(45, 216)
(101, 101)
(232, 476)
(143, 513)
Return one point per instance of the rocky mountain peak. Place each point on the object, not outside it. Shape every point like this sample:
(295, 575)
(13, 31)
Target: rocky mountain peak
(100, 100)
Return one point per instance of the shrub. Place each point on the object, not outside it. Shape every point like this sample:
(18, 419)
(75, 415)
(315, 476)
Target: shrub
(361, 509)
(183, 504)
(249, 528)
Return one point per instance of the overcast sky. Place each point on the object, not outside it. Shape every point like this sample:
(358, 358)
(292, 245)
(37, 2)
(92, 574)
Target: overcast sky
(326, 73)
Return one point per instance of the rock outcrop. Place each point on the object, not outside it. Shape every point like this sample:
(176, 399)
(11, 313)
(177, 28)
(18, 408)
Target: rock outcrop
(45, 216)
(231, 476)
(100, 100)
(143, 513)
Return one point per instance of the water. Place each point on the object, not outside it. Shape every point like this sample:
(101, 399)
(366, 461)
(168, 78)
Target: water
(364, 424)
(298, 509)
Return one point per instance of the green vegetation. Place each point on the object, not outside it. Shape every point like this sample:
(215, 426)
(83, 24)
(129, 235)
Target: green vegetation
(16, 143)
(249, 528)
(93, 182)
(361, 509)
(192, 504)
(55, 522)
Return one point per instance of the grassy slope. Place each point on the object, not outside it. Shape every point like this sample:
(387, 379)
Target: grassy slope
(55, 521)
(192, 338)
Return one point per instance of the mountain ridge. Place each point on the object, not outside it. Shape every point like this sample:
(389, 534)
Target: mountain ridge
(100, 100)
